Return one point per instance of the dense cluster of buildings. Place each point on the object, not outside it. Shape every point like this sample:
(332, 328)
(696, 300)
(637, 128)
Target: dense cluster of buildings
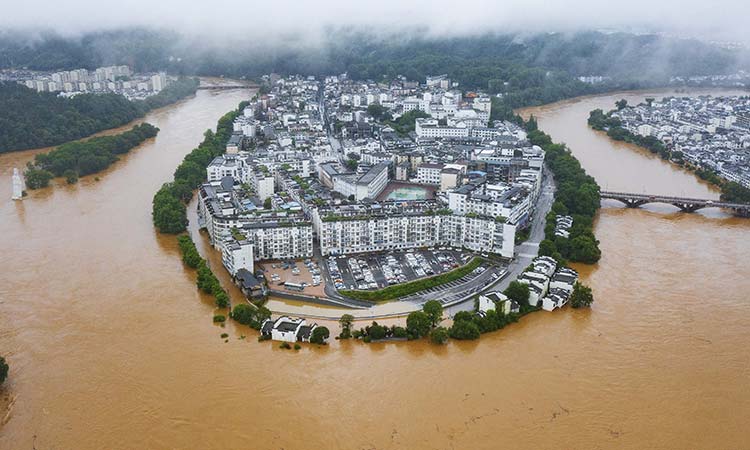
(321, 166)
(738, 79)
(549, 286)
(114, 79)
(709, 132)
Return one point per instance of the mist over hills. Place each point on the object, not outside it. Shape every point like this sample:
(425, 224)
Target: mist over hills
(472, 59)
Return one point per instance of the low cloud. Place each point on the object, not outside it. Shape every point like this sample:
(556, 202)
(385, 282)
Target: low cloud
(308, 20)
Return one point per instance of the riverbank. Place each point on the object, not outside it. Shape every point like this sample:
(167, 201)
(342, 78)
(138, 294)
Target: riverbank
(611, 126)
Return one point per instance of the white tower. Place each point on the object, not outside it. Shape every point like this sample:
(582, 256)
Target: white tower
(17, 185)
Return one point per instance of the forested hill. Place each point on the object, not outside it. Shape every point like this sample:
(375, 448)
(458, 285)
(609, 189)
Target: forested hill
(625, 57)
(30, 119)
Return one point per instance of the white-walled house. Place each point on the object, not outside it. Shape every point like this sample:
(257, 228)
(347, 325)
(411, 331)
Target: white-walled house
(486, 303)
(498, 301)
(536, 292)
(288, 329)
(557, 298)
(283, 329)
(564, 279)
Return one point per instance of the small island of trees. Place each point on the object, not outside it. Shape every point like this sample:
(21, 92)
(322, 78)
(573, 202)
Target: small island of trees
(80, 158)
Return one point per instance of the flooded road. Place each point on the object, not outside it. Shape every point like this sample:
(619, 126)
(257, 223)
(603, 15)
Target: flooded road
(112, 347)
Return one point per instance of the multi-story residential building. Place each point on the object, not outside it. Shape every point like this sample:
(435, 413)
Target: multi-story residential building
(263, 182)
(429, 173)
(237, 254)
(358, 229)
(227, 166)
(274, 234)
(431, 128)
(357, 186)
(512, 203)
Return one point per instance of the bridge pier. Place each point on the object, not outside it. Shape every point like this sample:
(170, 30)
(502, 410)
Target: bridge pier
(687, 207)
(633, 203)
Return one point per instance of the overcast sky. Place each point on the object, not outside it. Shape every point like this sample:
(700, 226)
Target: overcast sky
(725, 19)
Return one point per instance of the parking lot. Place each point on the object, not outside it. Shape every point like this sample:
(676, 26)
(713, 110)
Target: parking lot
(377, 271)
(302, 276)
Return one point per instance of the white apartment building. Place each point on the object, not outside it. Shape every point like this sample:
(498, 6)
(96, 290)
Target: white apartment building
(509, 202)
(273, 235)
(430, 128)
(236, 255)
(274, 240)
(227, 166)
(263, 183)
(368, 185)
(358, 234)
(429, 173)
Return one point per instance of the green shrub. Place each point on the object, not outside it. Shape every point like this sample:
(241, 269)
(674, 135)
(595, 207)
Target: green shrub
(439, 335)
(464, 330)
(319, 335)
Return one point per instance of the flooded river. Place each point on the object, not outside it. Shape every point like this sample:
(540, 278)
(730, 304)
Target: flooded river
(112, 347)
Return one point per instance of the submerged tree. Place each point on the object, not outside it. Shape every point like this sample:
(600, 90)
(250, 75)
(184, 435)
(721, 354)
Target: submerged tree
(3, 370)
(319, 335)
(346, 322)
(582, 296)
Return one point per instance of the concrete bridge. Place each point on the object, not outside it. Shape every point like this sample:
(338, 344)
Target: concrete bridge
(685, 204)
(219, 87)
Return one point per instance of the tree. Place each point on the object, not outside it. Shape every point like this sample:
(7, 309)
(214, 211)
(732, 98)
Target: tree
(517, 291)
(584, 249)
(582, 296)
(621, 104)
(434, 311)
(547, 248)
(71, 177)
(37, 178)
(319, 335)
(346, 322)
(464, 330)
(3, 369)
(243, 313)
(376, 111)
(267, 203)
(418, 324)
(439, 335)
(169, 213)
(399, 332)
(376, 331)
(463, 316)
(262, 314)
(222, 299)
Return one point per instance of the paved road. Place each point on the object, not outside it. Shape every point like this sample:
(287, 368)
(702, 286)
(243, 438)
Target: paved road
(526, 251)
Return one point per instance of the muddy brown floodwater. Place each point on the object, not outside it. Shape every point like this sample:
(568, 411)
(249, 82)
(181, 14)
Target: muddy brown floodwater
(112, 347)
